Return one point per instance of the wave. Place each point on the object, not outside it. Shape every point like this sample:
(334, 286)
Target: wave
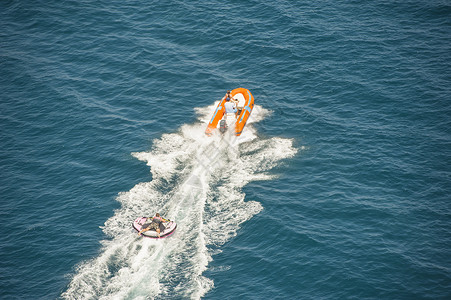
(196, 181)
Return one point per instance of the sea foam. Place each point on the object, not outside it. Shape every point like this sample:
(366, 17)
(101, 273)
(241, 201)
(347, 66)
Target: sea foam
(196, 181)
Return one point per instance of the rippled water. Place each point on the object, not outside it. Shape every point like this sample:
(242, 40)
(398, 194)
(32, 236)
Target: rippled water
(338, 189)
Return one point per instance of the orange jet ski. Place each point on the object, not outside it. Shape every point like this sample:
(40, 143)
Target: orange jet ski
(245, 104)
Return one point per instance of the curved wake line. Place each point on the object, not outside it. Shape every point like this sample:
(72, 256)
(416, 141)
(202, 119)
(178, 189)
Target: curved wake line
(197, 181)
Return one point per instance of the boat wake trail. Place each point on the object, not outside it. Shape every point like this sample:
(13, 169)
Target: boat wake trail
(196, 181)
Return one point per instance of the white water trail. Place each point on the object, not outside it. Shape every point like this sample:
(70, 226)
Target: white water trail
(197, 181)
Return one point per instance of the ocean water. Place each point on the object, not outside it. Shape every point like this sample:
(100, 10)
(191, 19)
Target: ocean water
(339, 187)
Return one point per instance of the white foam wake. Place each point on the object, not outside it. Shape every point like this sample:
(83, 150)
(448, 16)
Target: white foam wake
(197, 181)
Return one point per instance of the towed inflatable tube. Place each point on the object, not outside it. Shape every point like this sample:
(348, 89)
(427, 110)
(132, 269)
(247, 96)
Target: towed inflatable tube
(169, 229)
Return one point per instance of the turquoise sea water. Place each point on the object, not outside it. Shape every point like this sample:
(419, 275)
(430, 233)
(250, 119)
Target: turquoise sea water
(338, 189)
